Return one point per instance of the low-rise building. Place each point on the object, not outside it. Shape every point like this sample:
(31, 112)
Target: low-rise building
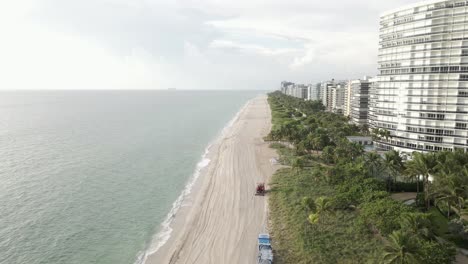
(365, 141)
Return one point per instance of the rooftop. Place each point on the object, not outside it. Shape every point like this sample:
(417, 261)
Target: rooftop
(359, 137)
(406, 7)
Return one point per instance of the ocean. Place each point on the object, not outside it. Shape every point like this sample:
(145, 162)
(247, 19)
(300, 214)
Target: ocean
(91, 176)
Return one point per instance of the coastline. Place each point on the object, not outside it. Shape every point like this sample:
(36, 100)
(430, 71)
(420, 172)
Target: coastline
(166, 228)
(206, 220)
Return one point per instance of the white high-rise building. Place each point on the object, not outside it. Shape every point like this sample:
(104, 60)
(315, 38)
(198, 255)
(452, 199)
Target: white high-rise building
(422, 92)
(326, 94)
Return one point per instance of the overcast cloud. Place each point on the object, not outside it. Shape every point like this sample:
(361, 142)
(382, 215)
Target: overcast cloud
(187, 44)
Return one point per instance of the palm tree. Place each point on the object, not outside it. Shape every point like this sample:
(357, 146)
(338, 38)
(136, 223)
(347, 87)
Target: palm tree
(297, 165)
(313, 218)
(401, 249)
(412, 176)
(448, 189)
(385, 133)
(364, 129)
(316, 144)
(308, 203)
(328, 154)
(322, 205)
(451, 162)
(356, 150)
(423, 165)
(308, 142)
(417, 224)
(375, 132)
(288, 131)
(393, 164)
(374, 164)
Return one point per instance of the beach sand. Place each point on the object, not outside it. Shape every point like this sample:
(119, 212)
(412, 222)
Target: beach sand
(220, 221)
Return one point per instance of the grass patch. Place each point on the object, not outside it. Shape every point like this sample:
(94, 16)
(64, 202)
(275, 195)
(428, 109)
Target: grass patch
(340, 237)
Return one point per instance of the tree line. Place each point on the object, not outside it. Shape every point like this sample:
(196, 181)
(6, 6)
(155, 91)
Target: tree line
(359, 184)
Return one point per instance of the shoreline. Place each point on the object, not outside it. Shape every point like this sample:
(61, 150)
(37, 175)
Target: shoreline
(181, 246)
(166, 231)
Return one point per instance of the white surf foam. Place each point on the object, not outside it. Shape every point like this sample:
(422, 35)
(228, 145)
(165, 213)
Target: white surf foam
(165, 231)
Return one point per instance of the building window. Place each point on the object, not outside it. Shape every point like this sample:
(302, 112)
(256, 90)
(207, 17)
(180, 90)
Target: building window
(460, 125)
(432, 116)
(448, 132)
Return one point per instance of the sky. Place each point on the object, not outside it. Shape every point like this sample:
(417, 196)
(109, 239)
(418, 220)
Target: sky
(186, 44)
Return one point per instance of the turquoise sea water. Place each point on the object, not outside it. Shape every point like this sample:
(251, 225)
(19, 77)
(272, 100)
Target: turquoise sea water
(89, 176)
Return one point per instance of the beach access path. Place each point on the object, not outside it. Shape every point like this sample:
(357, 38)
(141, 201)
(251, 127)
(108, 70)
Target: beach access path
(222, 219)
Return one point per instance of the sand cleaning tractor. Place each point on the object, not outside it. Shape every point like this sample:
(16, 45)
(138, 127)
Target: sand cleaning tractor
(260, 190)
(265, 251)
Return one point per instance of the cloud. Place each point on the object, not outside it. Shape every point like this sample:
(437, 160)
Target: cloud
(250, 48)
(46, 60)
(192, 44)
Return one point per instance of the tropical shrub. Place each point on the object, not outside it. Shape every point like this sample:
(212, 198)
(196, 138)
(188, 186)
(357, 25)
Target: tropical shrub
(383, 214)
(432, 252)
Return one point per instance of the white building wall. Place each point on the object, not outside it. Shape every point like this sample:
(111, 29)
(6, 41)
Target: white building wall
(422, 89)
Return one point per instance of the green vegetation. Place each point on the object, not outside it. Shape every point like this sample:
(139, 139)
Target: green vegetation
(332, 204)
(299, 199)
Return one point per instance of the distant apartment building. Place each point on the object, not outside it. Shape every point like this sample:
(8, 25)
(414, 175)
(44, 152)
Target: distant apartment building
(326, 94)
(338, 94)
(421, 96)
(295, 90)
(314, 92)
(301, 91)
(291, 89)
(347, 100)
(332, 94)
(359, 101)
(287, 88)
(284, 86)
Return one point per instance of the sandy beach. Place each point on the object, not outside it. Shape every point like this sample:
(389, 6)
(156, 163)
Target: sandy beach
(220, 221)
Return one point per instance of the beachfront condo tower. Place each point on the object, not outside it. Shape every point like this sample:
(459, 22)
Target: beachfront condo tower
(421, 95)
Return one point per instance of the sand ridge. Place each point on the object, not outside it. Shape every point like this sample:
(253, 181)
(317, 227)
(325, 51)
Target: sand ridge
(225, 217)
